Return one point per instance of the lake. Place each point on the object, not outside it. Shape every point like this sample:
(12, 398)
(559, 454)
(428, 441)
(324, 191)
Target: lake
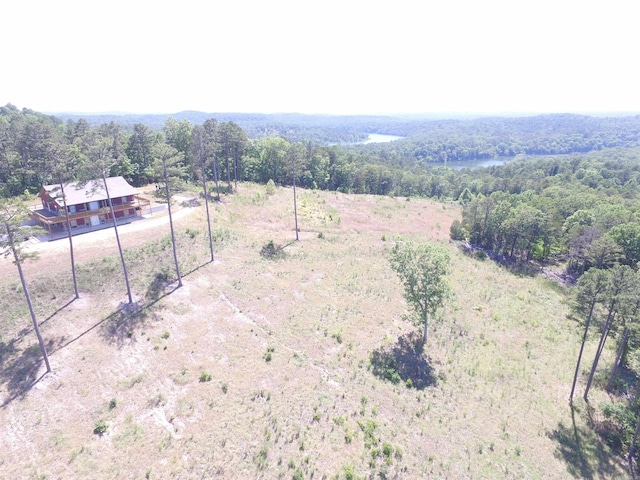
(488, 162)
(379, 138)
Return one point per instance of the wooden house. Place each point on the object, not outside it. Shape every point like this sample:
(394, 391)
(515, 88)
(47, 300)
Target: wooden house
(87, 204)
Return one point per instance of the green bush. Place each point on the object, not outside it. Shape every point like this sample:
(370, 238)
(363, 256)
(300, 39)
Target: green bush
(271, 187)
(457, 231)
(205, 376)
(100, 427)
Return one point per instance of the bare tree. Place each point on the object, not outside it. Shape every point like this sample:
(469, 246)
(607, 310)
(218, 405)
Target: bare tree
(620, 285)
(12, 234)
(60, 160)
(100, 162)
(167, 163)
(211, 146)
(200, 154)
(293, 157)
(590, 291)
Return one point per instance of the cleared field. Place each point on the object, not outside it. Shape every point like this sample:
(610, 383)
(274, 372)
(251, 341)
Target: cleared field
(289, 368)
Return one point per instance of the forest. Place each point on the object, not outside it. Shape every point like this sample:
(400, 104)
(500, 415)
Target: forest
(567, 201)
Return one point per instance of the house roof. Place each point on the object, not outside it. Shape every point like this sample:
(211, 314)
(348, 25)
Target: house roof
(91, 191)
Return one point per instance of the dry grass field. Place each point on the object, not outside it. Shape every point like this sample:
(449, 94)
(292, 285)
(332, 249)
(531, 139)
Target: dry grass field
(298, 367)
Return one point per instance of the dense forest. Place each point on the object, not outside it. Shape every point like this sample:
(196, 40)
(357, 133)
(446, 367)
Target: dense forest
(571, 202)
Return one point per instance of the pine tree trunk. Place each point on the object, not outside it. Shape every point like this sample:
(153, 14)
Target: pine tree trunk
(226, 156)
(215, 177)
(173, 237)
(115, 227)
(73, 263)
(206, 205)
(584, 340)
(603, 339)
(295, 203)
(235, 167)
(616, 364)
(36, 327)
(632, 448)
(425, 334)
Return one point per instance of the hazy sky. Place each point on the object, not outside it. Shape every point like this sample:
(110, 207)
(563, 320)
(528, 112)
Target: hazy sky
(343, 57)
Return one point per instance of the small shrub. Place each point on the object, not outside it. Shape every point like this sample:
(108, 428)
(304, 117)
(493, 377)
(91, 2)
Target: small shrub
(192, 232)
(165, 334)
(457, 231)
(157, 400)
(257, 199)
(270, 187)
(205, 376)
(349, 473)
(321, 235)
(272, 251)
(268, 354)
(100, 427)
(338, 336)
(225, 387)
(113, 403)
(348, 436)
(393, 376)
(261, 457)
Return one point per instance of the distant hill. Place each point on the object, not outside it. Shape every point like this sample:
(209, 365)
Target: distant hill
(321, 129)
(430, 138)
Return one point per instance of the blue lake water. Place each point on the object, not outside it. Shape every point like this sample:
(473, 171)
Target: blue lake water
(489, 162)
(379, 138)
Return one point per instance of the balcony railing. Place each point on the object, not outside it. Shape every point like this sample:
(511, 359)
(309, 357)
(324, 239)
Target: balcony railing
(51, 217)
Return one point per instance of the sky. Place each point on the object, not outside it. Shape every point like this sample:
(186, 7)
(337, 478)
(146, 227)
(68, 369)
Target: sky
(310, 56)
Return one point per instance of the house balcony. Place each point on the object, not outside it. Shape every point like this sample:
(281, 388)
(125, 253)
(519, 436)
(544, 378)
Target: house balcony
(50, 218)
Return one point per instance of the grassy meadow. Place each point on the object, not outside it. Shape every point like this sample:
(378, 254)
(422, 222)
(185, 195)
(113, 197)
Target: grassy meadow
(302, 366)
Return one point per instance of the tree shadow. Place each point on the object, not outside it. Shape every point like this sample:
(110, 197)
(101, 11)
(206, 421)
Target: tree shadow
(403, 361)
(120, 326)
(57, 311)
(583, 451)
(515, 265)
(19, 367)
(158, 286)
(162, 285)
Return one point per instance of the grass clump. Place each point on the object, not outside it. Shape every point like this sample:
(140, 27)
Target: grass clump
(205, 376)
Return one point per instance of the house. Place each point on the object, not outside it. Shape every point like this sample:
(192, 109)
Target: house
(87, 204)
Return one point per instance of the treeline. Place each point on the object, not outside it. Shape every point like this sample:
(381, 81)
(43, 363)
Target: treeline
(27, 154)
(582, 209)
(442, 141)
(320, 129)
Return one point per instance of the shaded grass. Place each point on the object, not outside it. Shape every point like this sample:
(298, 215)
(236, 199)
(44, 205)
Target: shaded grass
(403, 361)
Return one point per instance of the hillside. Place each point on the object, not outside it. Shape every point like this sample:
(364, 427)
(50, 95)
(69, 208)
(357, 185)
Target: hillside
(262, 368)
